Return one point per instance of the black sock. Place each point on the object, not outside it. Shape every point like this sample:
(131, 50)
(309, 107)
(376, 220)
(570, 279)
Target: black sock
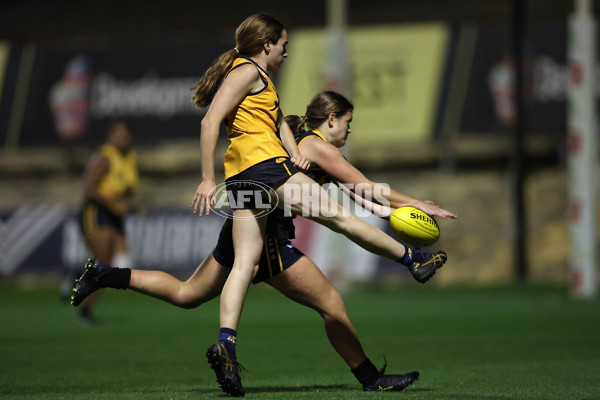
(366, 373)
(411, 255)
(117, 278)
(229, 338)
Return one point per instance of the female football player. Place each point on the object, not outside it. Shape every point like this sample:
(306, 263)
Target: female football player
(110, 180)
(281, 265)
(239, 92)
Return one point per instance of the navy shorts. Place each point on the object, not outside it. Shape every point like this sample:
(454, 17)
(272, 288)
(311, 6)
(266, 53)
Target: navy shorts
(93, 216)
(276, 257)
(250, 188)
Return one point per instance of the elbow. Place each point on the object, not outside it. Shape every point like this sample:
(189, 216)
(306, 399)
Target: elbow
(208, 124)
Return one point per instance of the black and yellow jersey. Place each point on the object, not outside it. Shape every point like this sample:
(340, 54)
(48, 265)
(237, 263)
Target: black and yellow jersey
(315, 172)
(122, 176)
(253, 127)
(280, 225)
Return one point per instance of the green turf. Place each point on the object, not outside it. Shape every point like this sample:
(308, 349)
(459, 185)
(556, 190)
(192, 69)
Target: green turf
(500, 343)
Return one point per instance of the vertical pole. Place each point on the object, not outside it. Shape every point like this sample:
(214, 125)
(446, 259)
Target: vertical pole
(17, 115)
(582, 151)
(337, 66)
(518, 154)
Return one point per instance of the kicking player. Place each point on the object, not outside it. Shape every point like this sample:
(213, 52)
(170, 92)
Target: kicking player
(281, 265)
(239, 92)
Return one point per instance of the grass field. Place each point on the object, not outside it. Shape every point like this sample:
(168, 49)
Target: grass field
(500, 343)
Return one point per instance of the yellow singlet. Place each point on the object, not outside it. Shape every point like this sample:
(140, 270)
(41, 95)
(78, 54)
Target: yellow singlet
(122, 176)
(253, 127)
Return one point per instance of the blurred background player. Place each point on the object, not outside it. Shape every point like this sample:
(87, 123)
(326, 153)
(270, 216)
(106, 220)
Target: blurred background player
(110, 180)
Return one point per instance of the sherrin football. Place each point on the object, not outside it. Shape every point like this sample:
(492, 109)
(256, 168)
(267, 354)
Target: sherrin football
(413, 226)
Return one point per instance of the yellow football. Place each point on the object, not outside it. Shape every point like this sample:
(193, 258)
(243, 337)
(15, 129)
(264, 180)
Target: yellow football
(413, 226)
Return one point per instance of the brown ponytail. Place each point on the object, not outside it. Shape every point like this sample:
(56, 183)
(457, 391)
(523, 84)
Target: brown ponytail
(205, 90)
(296, 123)
(250, 37)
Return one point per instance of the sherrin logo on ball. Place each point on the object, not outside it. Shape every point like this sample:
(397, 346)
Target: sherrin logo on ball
(414, 227)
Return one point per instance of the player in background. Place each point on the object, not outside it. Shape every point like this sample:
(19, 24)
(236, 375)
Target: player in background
(282, 265)
(109, 182)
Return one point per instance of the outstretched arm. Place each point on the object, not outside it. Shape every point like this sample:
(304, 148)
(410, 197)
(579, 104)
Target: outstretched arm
(375, 208)
(333, 162)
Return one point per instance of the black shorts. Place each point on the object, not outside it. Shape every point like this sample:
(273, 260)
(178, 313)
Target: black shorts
(276, 257)
(250, 188)
(93, 216)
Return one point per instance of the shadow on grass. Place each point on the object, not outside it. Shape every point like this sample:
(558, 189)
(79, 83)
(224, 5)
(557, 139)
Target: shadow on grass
(283, 389)
(353, 388)
(459, 396)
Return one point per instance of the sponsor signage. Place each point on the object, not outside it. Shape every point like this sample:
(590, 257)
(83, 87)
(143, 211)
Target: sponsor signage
(395, 73)
(490, 98)
(78, 87)
(47, 238)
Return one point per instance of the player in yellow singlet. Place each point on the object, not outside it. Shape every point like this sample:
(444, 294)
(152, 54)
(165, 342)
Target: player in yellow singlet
(243, 95)
(282, 266)
(110, 180)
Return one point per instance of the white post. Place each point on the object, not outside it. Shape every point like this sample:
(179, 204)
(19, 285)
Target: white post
(337, 66)
(582, 151)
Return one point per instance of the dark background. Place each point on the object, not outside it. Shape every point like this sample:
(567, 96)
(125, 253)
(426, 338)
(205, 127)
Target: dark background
(23, 20)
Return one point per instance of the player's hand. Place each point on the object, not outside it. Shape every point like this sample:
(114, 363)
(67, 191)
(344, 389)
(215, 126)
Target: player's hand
(432, 209)
(204, 198)
(301, 163)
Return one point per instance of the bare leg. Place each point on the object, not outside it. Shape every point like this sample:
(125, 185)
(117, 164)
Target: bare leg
(248, 234)
(205, 284)
(360, 232)
(305, 284)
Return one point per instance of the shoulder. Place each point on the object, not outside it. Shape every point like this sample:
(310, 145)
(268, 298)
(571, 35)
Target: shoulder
(243, 77)
(108, 150)
(99, 157)
(319, 150)
(325, 148)
(244, 70)
(310, 139)
(98, 163)
(306, 136)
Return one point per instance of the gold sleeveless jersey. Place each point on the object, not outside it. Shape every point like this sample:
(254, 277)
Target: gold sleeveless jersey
(253, 127)
(122, 176)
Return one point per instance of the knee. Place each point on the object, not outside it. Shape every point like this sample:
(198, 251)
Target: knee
(334, 306)
(187, 298)
(188, 304)
(341, 221)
